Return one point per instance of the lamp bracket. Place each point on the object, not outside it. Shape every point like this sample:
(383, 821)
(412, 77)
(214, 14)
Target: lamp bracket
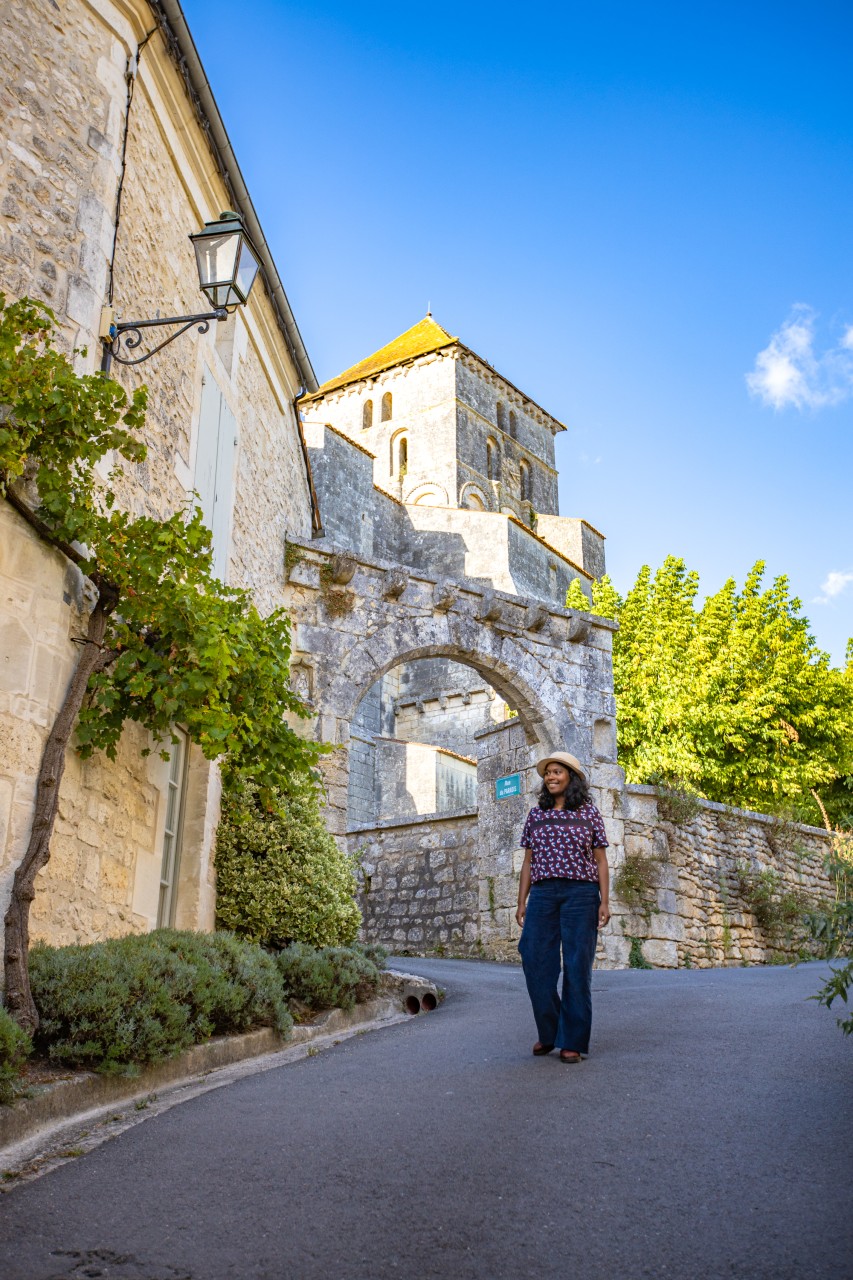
(129, 333)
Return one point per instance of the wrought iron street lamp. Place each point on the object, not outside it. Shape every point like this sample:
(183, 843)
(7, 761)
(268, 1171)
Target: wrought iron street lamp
(227, 266)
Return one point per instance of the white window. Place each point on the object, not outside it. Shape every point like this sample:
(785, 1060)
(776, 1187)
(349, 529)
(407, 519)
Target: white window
(214, 469)
(170, 864)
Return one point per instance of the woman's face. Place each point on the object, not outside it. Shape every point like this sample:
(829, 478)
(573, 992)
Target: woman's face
(556, 778)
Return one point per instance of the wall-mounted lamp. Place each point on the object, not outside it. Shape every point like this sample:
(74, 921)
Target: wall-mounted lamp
(227, 266)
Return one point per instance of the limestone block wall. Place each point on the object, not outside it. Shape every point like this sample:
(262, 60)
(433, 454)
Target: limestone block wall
(104, 874)
(63, 98)
(699, 915)
(419, 885)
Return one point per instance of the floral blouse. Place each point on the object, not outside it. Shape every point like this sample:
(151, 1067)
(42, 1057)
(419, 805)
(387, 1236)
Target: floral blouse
(562, 841)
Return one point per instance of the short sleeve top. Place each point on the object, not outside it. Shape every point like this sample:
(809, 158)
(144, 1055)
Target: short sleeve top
(562, 841)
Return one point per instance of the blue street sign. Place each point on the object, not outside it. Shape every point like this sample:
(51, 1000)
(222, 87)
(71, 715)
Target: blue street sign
(508, 786)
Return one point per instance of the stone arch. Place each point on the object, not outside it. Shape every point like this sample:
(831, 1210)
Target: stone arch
(367, 415)
(430, 494)
(387, 407)
(473, 497)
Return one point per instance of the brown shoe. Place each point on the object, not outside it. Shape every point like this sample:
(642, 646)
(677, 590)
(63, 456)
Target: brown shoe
(569, 1056)
(540, 1049)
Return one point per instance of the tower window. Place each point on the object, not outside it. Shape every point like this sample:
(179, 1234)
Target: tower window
(399, 455)
(386, 407)
(526, 483)
(502, 423)
(493, 460)
(513, 424)
(367, 415)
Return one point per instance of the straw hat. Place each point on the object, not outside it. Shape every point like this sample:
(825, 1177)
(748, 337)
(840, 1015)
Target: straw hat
(563, 758)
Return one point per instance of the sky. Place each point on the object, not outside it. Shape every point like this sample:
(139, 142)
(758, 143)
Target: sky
(639, 214)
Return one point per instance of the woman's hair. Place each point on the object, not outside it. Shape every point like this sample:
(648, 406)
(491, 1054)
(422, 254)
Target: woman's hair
(576, 792)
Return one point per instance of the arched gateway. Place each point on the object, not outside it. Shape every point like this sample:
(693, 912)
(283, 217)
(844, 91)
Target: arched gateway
(355, 619)
(410, 574)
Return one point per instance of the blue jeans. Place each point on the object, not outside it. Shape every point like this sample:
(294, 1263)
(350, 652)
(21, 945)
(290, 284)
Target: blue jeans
(561, 912)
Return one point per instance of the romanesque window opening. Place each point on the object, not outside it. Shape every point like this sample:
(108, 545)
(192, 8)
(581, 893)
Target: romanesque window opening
(502, 422)
(367, 415)
(513, 424)
(403, 458)
(493, 460)
(387, 405)
(526, 483)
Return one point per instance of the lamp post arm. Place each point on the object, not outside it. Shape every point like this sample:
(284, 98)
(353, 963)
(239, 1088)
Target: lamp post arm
(129, 332)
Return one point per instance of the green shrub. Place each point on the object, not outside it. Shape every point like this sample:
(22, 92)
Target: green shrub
(327, 977)
(15, 1046)
(139, 999)
(635, 882)
(373, 951)
(636, 959)
(775, 909)
(280, 876)
(677, 801)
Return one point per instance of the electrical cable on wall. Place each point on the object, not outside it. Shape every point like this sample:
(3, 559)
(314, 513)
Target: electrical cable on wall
(130, 79)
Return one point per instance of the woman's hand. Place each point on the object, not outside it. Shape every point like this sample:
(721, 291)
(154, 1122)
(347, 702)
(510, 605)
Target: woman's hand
(603, 915)
(520, 914)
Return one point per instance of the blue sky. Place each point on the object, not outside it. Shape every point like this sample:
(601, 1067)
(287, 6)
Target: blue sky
(641, 214)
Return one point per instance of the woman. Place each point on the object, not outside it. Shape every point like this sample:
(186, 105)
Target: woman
(563, 900)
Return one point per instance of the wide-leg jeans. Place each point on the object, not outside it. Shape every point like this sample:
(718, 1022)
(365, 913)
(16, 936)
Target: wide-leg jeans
(561, 914)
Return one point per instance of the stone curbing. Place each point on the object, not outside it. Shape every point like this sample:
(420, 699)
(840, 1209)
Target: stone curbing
(85, 1095)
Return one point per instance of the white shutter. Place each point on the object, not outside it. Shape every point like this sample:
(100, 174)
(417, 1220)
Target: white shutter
(214, 469)
(221, 525)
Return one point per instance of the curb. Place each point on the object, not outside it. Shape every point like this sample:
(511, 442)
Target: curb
(30, 1123)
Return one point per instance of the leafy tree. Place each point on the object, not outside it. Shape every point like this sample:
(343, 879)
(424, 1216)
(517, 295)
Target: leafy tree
(734, 698)
(165, 641)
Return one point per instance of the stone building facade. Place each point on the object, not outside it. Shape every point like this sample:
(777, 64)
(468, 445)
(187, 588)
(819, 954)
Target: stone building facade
(81, 86)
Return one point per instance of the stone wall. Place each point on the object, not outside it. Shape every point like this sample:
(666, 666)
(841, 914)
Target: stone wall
(63, 97)
(419, 883)
(699, 915)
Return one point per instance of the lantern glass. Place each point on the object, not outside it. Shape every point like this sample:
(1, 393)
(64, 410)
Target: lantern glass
(227, 264)
(247, 269)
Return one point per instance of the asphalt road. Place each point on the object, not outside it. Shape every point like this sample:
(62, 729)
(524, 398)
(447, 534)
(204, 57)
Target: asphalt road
(708, 1135)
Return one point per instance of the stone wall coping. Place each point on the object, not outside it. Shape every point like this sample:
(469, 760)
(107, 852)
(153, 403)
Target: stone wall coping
(512, 723)
(389, 824)
(330, 548)
(640, 789)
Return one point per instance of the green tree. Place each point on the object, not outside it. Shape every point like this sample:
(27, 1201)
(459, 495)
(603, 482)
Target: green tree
(734, 698)
(165, 642)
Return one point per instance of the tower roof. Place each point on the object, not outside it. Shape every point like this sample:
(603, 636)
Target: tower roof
(423, 337)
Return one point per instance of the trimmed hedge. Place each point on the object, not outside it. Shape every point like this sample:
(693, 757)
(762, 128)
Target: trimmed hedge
(327, 977)
(15, 1046)
(127, 1001)
(280, 876)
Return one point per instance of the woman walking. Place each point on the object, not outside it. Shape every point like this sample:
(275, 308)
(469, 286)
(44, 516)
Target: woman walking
(563, 900)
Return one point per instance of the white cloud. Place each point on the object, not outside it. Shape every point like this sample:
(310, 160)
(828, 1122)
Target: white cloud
(834, 584)
(789, 373)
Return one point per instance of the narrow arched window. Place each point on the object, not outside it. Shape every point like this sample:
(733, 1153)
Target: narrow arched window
(526, 486)
(513, 424)
(502, 415)
(367, 415)
(386, 407)
(493, 460)
(399, 455)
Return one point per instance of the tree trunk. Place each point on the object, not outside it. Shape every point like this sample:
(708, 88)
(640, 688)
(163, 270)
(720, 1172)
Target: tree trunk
(19, 999)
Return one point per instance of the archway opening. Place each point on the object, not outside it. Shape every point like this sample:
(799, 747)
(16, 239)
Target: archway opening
(414, 745)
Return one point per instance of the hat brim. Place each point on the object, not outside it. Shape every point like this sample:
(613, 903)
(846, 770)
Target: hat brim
(567, 763)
